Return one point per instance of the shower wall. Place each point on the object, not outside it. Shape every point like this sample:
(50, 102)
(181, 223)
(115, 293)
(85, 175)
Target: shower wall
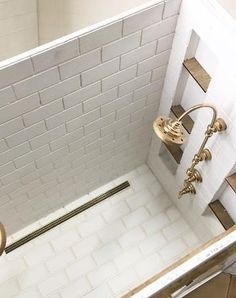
(18, 27)
(79, 114)
(61, 17)
(215, 51)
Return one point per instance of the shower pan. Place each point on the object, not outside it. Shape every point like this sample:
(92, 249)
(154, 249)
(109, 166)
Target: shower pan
(87, 189)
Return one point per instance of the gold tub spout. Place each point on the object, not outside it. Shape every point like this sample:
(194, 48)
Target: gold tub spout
(188, 188)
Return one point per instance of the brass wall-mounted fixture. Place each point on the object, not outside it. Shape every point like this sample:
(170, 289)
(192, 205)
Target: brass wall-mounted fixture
(3, 239)
(171, 132)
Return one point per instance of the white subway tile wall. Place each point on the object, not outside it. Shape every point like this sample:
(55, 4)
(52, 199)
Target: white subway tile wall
(104, 251)
(78, 115)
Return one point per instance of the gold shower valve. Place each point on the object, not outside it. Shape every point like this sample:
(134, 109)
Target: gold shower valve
(219, 125)
(188, 188)
(205, 155)
(193, 175)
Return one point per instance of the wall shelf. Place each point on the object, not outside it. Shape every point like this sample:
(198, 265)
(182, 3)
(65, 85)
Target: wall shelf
(175, 151)
(231, 180)
(222, 214)
(198, 73)
(188, 123)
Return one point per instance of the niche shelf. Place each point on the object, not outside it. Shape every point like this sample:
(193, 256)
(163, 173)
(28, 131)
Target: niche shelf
(222, 214)
(231, 180)
(188, 123)
(175, 151)
(198, 73)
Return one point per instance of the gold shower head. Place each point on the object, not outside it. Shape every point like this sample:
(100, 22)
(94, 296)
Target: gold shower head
(169, 131)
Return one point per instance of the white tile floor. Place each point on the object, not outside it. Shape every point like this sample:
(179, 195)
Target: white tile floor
(105, 251)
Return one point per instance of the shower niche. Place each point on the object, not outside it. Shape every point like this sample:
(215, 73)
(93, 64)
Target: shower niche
(191, 89)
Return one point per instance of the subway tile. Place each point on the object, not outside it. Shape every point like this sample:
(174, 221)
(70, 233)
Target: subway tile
(152, 244)
(156, 223)
(84, 141)
(143, 19)
(165, 43)
(172, 250)
(11, 127)
(138, 55)
(66, 139)
(149, 266)
(101, 291)
(59, 90)
(80, 64)
(97, 38)
(134, 84)
(63, 242)
(159, 30)
(81, 95)
(102, 274)
(3, 146)
(112, 231)
(86, 246)
(83, 120)
(7, 96)
(119, 78)
(47, 137)
(100, 72)
(90, 227)
(136, 217)
(26, 134)
(38, 254)
(98, 124)
(116, 104)
(115, 212)
(9, 288)
(43, 112)
(99, 100)
(172, 7)
(106, 253)
(154, 62)
(123, 282)
(13, 153)
(132, 238)
(176, 229)
(43, 161)
(15, 72)
(31, 156)
(18, 174)
(79, 288)
(55, 55)
(159, 73)
(80, 268)
(64, 116)
(36, 82)
(18, 108)
(52, 283)
(32, 276)
(7, 168)
(148, 89)
(128, 258)
(121, 46)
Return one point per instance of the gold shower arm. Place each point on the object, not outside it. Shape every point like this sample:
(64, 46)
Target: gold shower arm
(199, 106)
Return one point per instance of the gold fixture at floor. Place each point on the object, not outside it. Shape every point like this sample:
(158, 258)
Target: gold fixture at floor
(2, 239)
(171, 132)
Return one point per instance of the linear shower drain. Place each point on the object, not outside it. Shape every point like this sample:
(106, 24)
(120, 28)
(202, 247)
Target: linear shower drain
(65, 217)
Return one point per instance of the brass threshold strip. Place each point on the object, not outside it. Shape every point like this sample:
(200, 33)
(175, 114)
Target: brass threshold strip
(65, 217)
